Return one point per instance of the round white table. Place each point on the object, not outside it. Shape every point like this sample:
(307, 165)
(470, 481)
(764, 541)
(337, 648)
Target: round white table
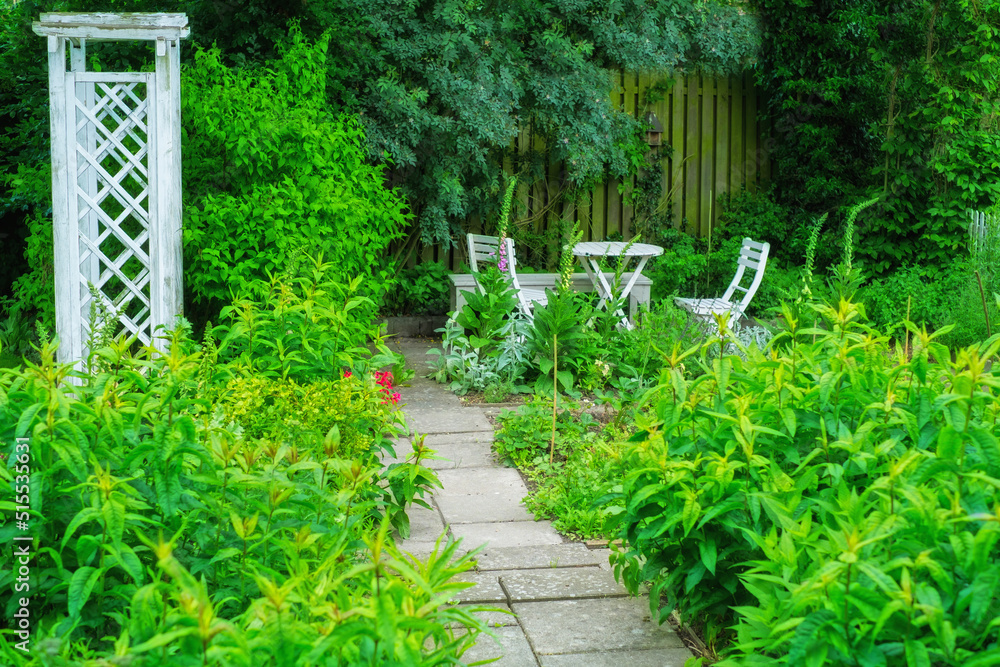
(591, 253)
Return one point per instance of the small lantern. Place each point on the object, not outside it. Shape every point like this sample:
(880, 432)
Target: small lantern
(654, 130)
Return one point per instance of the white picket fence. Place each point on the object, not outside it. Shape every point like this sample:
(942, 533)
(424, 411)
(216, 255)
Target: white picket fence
(981, 227)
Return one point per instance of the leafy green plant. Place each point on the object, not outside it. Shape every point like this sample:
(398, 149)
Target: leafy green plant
(559, 331)
(303, 324)
(16, 334)
(482, 342)
(270, 170)
(187, 509)
(832, 500)
(422, 290)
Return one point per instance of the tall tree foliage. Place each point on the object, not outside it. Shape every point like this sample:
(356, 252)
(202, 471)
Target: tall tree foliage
(445, 85)
(441, 86)
(898, 100)
(824, 97)
(941, 133)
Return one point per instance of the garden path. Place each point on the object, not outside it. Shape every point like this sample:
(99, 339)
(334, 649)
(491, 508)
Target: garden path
(568, 610)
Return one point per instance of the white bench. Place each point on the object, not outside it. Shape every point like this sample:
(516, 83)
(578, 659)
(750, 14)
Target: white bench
(464, 282)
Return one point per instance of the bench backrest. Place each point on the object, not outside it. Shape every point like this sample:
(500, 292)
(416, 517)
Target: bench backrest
(753, 256)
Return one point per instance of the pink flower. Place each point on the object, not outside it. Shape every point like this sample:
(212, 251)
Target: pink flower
(347, 374)
(384, 379)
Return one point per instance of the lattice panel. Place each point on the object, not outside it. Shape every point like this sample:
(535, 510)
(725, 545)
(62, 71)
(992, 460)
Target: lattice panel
(113, 195)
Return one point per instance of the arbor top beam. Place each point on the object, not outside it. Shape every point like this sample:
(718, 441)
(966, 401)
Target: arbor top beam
(108, 27)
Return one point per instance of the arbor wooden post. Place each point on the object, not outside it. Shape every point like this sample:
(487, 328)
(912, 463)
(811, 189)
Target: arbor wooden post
(116, 178)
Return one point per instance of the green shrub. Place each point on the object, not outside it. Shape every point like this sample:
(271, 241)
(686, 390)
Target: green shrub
(676, 272)
(422, 290)
(303, 324)
(187, 509)
(269, 171)
(831, 501)
(947, 298)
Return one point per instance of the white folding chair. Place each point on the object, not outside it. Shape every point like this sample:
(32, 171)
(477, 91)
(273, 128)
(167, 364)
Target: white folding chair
(753, 256)
(485, 249)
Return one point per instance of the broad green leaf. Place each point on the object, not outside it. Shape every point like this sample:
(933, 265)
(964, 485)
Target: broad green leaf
(987, 446)
(788, 418)
(707, 550)
(26, 420)
(809, 637)
(691, 512)
(949, 443)
(225, 554)
(128, 560)
(984, 593)
(81, 585)
(82, 517)
(916, 654)
(113, 512)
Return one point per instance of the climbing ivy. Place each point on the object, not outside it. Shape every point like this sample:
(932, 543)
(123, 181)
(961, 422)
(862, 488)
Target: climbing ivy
(941, 135)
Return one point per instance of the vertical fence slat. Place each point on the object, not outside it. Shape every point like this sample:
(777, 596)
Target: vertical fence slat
(692, 209)
(632, 108)
(523, 190)
(750, 133)
(764, 142)
(598, 211)
(721, 141)
(707, 157)
(676, 163)
(539, 190)
(553, 193)
(736, 151)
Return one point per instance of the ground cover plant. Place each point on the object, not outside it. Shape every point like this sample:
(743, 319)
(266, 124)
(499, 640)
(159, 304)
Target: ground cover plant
(586, 462)
(223, 503)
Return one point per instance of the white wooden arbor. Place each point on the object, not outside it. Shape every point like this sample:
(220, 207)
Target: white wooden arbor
(116, 177)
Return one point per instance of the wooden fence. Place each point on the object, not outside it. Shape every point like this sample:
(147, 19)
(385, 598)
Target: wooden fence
(712, 143)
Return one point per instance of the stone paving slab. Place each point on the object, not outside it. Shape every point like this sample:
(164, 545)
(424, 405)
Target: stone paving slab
(599, 625)
(423, 394)
(425, 524)
(496, 619)
(486, 590)
(435, 440)
(513, 648)
(456, 455)
(490, 481)
(560, 584)
(435, 419)
(570, 554)
(510, 534)
(667, 657)
(458, 450)
(604, 556)
(421, 549)
(481, 508)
